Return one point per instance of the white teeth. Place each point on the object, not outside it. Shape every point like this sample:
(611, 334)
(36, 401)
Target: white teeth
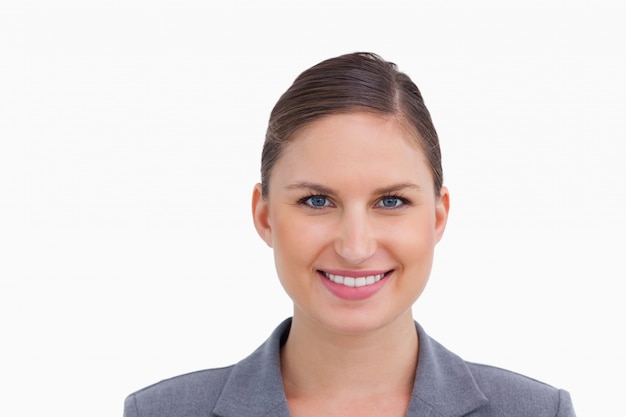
(354, 282)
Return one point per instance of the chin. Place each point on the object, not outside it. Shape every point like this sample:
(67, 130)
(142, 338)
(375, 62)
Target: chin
(360, 321)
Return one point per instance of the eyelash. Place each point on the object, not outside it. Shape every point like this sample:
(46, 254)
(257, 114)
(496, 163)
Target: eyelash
(303, 201)
(403, 200)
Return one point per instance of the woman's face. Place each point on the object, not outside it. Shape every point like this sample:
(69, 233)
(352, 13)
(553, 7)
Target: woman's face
(353, 219)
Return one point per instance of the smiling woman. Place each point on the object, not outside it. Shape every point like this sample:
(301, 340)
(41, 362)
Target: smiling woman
(352, 202)
(359, 220)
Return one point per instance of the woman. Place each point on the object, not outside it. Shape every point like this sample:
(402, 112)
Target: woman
(352, 202)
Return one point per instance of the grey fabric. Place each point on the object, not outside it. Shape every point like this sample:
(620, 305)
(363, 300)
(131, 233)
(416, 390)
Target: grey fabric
(445, 386)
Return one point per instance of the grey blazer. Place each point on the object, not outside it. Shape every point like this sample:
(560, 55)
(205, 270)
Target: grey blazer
(445, 386)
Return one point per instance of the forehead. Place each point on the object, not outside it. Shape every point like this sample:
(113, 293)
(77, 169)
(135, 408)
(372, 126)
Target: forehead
(359, 118)
(336, 147)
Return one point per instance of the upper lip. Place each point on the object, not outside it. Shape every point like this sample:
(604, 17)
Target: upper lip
(355, 274)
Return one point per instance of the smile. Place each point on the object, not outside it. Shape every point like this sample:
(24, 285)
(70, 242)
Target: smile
(354, 282)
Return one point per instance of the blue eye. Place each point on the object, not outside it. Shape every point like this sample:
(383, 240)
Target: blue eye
(390, 202)
(317, 201)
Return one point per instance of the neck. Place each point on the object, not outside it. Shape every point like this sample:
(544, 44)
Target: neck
(317, 361)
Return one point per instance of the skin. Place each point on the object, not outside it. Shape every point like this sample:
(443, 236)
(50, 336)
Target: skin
(353, 193)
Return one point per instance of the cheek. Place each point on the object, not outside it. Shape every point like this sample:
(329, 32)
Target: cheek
(414, 250)
(297, 246)
(297, 241)
(414, 242)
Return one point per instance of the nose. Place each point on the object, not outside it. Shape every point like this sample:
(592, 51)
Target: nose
(355, 241)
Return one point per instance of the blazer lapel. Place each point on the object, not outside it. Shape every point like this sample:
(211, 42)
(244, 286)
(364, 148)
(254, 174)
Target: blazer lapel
(255, 386)
(444, 386)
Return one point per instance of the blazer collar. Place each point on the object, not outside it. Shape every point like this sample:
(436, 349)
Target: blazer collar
(444, 385)
(255, 386)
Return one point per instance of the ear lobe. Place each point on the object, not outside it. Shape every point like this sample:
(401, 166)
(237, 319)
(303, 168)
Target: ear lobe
(442, 208)
(260, 215)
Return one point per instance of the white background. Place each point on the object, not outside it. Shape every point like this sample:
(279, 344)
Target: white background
(130, 138)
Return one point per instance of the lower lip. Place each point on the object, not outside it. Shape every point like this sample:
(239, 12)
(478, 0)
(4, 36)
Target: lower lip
(353, 293)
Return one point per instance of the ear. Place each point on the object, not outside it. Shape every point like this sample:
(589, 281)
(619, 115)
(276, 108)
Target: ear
(260, 215)
(442, 208)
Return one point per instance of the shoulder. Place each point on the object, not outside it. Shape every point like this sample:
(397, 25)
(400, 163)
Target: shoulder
(453, 386)
(510, 393)
(252, 385)
(184, 395)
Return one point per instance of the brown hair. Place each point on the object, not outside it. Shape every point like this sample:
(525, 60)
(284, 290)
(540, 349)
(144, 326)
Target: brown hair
(359, 81)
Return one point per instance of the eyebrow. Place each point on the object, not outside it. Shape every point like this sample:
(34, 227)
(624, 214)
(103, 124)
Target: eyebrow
(397, 187)
(305, 185)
